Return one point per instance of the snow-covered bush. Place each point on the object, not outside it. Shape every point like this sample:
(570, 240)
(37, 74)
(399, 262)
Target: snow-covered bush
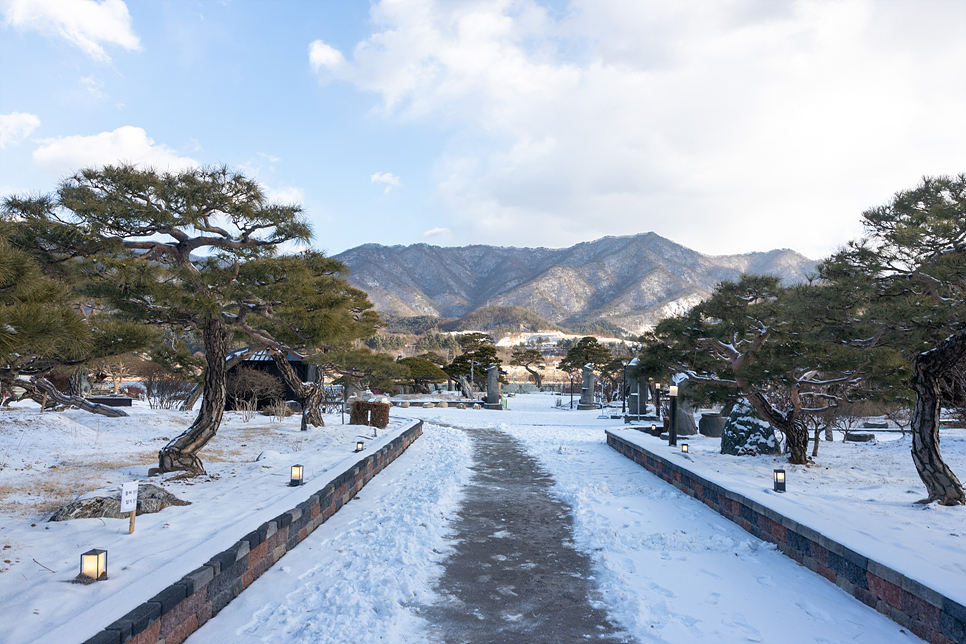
(745, 433)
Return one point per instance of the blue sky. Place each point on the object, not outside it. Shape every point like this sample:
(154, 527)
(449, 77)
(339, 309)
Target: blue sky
(725, 125)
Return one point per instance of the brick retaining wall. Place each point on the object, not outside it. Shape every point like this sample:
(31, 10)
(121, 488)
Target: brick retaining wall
(930, 615)
(183, 607)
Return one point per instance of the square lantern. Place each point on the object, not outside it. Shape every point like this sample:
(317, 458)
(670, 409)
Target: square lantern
(672, 391)
(93, 565)
(684, 447)
(298, 476)
(360, 446)
(779, 480)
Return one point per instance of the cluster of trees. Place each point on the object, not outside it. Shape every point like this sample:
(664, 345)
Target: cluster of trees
(884, 319)
(98, 268)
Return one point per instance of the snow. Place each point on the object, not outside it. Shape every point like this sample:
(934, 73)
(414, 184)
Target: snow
(667, 567)
(59, 456)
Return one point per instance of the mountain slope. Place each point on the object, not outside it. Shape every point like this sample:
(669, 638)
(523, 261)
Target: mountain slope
(630, 281)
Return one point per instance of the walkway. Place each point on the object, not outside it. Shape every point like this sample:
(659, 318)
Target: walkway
(515, 575)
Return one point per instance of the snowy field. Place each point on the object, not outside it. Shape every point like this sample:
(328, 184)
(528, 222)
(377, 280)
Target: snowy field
(53, 458)
(668, 568)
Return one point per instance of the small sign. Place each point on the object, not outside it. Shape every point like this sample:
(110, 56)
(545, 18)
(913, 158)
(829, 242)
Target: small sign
(129, 496)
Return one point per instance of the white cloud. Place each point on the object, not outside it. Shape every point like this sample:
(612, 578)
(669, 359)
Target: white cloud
(727, 126)
(15, 127)
(93, 86)
(436, 232)
(388, 178)
(323, 56)
(126, 144)
(86, 24)
(284, 195)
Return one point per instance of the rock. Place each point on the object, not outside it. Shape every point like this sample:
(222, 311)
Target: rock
(745, 433)
(711, 425)
(151, 499)
(460, 406)
(404, 404)
(859, 438)
(875, 424)
(154, 471)
(428, 405)
(477, 406)
(443, 405)
(294, 406)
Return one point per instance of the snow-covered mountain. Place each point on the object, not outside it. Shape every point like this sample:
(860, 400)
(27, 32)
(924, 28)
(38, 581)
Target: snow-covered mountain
(631, 281)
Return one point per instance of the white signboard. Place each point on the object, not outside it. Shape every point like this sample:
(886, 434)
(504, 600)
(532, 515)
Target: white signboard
(129, 496)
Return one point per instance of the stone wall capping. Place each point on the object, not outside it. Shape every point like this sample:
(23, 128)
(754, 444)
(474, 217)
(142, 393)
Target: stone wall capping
(885, 573)
(198, 579)
(241, 550)
(170, 597)
(105, 637)
(922, 592)
(925, 612)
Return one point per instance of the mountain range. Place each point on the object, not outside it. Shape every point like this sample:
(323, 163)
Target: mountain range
(631, 282)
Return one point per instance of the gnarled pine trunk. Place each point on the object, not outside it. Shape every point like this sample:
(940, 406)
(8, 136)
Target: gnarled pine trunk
(941, 484)
(536, 377)
(311, 394)
(181, 454)
(796, 434)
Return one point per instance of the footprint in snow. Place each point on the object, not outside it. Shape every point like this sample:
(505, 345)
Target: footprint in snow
(766, 581)
(712, 598)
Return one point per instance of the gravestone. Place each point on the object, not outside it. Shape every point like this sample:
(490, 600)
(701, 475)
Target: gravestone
(746, 434)
(684, 417)
(587, 388)
(493, 388)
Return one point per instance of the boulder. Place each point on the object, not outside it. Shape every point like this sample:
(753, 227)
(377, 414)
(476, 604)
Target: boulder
(858, 438)
(428, 405)
(443, 405)
(404, 404)
(745, 433)
(151, 499)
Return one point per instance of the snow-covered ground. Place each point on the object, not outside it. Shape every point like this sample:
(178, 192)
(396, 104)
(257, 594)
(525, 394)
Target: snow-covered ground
(668, 568)
(50, 459)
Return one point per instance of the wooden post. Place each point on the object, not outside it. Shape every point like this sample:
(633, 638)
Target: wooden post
(130, 529)
(43, 403)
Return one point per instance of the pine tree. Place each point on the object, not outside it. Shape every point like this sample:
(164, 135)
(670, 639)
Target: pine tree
(166, 249)
(912, 265)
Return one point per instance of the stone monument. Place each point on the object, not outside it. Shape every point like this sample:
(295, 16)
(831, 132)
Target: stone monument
(684, 417)
(493, 388)
(587, 389)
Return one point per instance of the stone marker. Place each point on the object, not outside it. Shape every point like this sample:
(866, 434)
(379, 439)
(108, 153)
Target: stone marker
(493, 388)
(587, 389)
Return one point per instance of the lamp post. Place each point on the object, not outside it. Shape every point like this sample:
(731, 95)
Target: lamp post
(673, 431)
(657, 400)
(571, 391)
(472, 379)
(779, 480)
(624, 389)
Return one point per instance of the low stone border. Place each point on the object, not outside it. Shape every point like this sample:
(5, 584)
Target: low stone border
(183, 607)
(930, 615)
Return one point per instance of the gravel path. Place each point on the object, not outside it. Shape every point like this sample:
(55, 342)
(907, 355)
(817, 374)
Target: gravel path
(515, 575)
